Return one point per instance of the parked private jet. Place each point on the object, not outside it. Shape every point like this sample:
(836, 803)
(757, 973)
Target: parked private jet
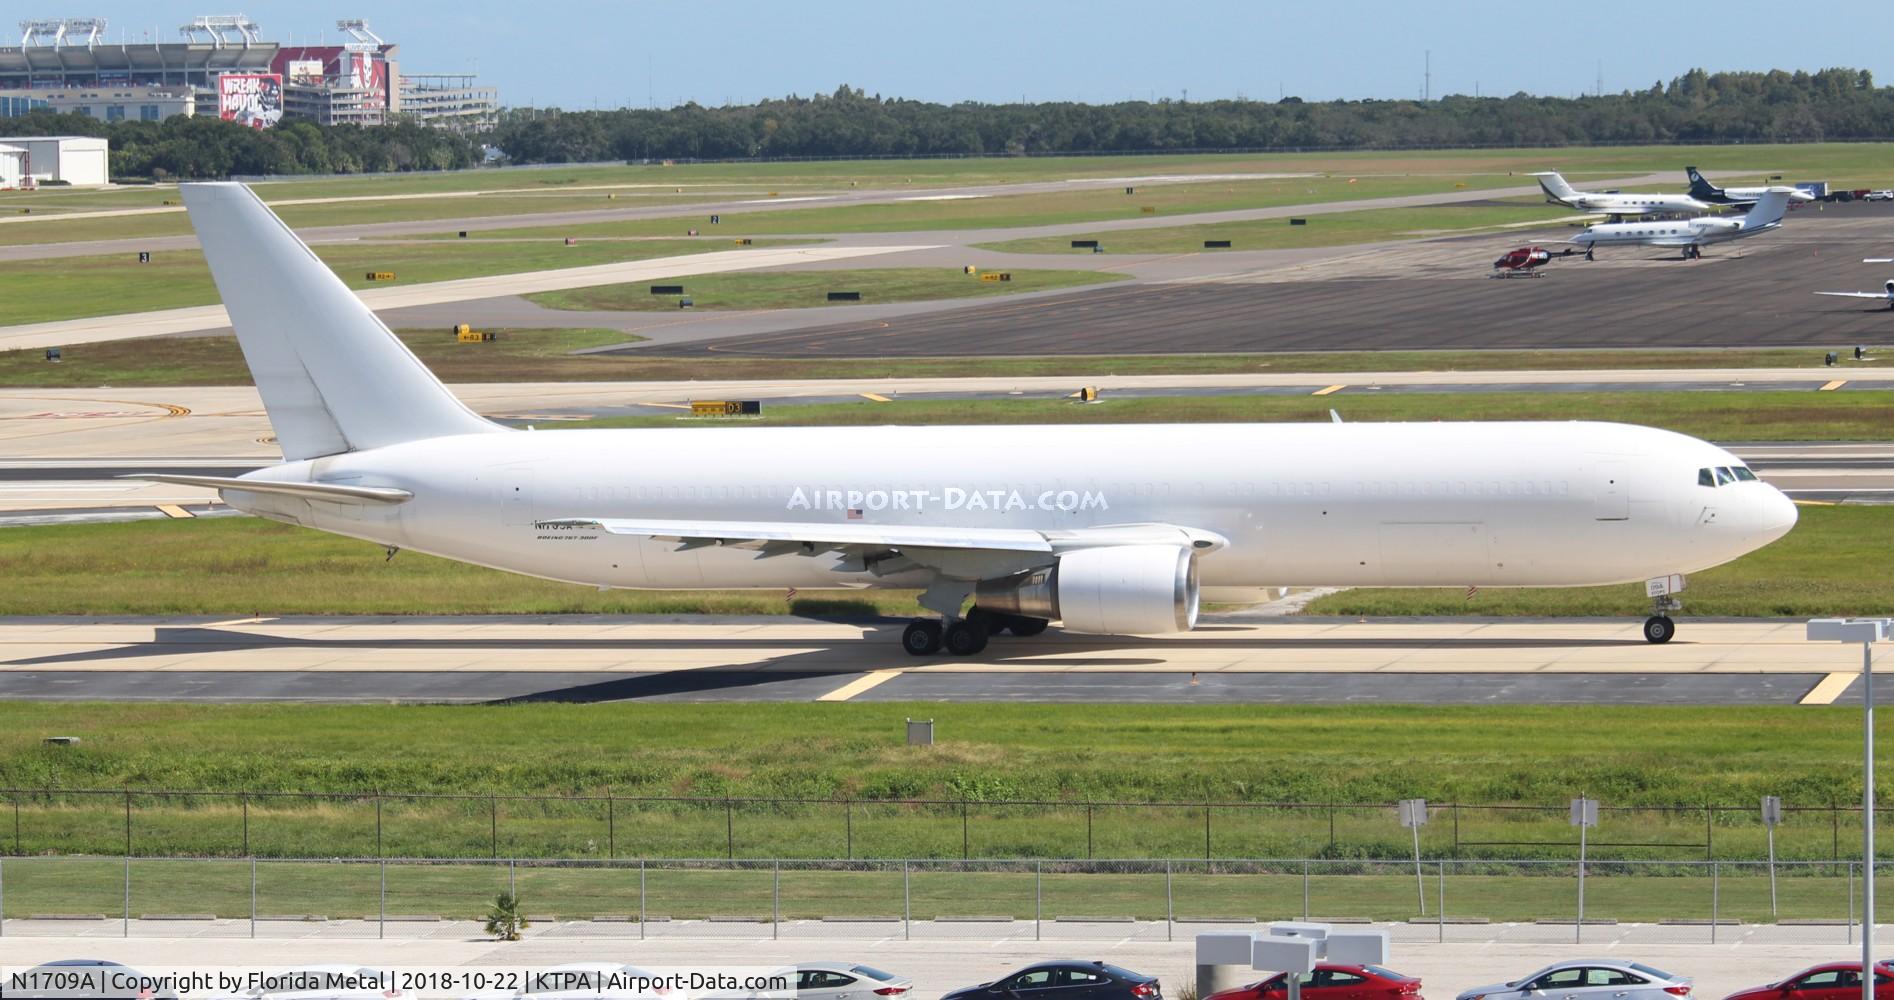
(1115, 529)
(1558, 192)
(1691, 235)
(1703, 190)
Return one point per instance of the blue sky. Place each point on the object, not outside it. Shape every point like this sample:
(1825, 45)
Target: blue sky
(664, 51)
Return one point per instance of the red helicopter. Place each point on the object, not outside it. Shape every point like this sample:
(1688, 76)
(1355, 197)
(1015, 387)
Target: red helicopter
(1522, 260)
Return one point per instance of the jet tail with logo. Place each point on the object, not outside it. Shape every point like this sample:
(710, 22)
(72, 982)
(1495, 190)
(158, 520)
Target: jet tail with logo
(1701, 189)
(1556, 189)
(1768, 211)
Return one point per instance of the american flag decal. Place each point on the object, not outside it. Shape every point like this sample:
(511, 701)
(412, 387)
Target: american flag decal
(854, 513)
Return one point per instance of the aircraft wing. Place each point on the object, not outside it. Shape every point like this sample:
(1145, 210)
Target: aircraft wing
(959, 552)
(1883, 296)
(333, 492)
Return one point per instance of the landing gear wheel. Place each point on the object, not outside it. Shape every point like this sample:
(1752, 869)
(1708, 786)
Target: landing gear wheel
(1027, 627)
(922, 637)
(965, 638)
(1658, 629)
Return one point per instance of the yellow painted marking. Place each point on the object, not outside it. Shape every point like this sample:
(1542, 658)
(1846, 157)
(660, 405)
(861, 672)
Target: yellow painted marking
(1332, 388)
(1816, 503)
(867, 682)
(877, 397)
(173, 510)
(236, 621)
(670, 406)
(1832, 386)
(1828, 689)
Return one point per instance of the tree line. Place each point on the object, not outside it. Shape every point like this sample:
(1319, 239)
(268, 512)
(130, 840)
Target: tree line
(1697, 107)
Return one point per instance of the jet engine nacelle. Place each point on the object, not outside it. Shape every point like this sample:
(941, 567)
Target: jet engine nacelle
(1889, 285)
(1111, 590)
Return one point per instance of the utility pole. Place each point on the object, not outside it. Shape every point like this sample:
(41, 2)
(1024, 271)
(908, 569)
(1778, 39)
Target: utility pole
(1427, 76)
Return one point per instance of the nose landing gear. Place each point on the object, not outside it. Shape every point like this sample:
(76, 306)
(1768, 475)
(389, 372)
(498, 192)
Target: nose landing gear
(1659, 628)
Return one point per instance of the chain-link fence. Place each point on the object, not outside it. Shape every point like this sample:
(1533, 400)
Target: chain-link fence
(606, 827)
(1446, 897)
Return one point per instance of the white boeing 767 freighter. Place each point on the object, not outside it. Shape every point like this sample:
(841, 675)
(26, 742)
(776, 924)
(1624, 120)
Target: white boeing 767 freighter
(1114, 529)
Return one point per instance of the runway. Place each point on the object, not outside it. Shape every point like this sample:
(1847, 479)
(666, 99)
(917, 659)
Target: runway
(1232, 658)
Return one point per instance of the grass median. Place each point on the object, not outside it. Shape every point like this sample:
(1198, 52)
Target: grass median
(1317, 230)
(39, 291)
(808, 289)
(544, 355)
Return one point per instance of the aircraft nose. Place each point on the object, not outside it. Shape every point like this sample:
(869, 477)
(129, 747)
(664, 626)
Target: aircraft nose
(1776, 514)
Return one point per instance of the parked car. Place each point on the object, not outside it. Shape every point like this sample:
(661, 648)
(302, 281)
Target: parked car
(73, 978)
(848, 981)
(1066, 981)
(1332, 982)
(1828, 981)
(1882, 195)
(1588, 979)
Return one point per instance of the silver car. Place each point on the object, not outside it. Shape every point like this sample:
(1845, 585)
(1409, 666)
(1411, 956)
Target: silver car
(848, 981)
(1588, 979)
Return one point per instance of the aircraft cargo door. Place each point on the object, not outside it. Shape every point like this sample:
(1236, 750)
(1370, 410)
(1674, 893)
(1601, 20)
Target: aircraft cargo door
(1612, 499)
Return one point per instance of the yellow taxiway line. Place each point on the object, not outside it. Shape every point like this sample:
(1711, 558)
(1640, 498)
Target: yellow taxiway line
(1828, 689)
(1832, 386)
(876, 397)
(173, 510)
(867, 682)
(1332, 388)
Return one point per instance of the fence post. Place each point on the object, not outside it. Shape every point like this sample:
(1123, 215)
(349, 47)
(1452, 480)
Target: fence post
(641, 910)
(381, 915)
(493, 825)
(1851, 902)
(125, 929)
(907, 905)
(729, 830)
(1038, 897)
(1709, 834)
(245, 799)
(1305, 889)
(848, 823)
(1206, 831)
(128, 823)
(1715, 892)
(3, 898)
(1440, 907)
(1088, 831)
(611, 827)
(378, 850)
(1170, 910)
(1456, 829)
(512, 880)
(963, 829)
(775, 899)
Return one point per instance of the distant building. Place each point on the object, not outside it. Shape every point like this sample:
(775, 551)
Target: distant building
(73, 159)
(12, 166)
(69, 64)
(107, 104)
(451, 101)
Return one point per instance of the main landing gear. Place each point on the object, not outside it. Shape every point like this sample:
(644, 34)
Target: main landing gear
(965, 636)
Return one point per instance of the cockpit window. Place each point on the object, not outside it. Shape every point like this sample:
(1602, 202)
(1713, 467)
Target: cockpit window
(1743, 473)
(1705, 477)
(1724, 476)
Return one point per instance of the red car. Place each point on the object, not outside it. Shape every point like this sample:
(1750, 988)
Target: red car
(1828, 981)
(1341, 982)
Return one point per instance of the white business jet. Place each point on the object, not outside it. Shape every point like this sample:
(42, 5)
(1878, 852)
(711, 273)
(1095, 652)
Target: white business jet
(1886, 294)
(1689, 235)
(1611, 203)
(1110, 529)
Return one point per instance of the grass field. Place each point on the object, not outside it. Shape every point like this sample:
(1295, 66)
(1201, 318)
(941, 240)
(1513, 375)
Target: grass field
(1830, 564)
(807, 289)
(541, 356)
(40, 291)
(1726, 416)
(927, 892)
(1333, 229)
(1024, 774)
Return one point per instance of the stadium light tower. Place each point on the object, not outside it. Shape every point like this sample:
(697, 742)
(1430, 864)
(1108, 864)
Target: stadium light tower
(59, 32)
(1867, 632)
(223, 29)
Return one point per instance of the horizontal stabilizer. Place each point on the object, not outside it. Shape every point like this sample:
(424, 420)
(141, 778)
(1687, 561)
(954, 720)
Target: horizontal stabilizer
(332, 492)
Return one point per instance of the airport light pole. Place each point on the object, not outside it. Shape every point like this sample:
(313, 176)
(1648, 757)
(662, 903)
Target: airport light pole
(1867, 632)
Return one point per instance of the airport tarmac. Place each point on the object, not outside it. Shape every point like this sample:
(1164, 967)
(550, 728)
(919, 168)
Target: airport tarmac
(1243, 658)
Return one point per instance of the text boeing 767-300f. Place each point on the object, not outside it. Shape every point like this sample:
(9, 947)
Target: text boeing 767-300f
(1110, 529)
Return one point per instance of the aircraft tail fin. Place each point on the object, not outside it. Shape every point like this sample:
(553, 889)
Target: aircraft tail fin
(1555, 187)
(1701, 189)
(332, 376)
(1768, 210)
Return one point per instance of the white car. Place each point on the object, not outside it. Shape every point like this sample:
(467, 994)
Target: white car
(848, 981)
(1880, 195)
(1588, 979)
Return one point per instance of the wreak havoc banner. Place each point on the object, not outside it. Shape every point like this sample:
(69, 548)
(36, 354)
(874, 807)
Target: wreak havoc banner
(255, 99)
